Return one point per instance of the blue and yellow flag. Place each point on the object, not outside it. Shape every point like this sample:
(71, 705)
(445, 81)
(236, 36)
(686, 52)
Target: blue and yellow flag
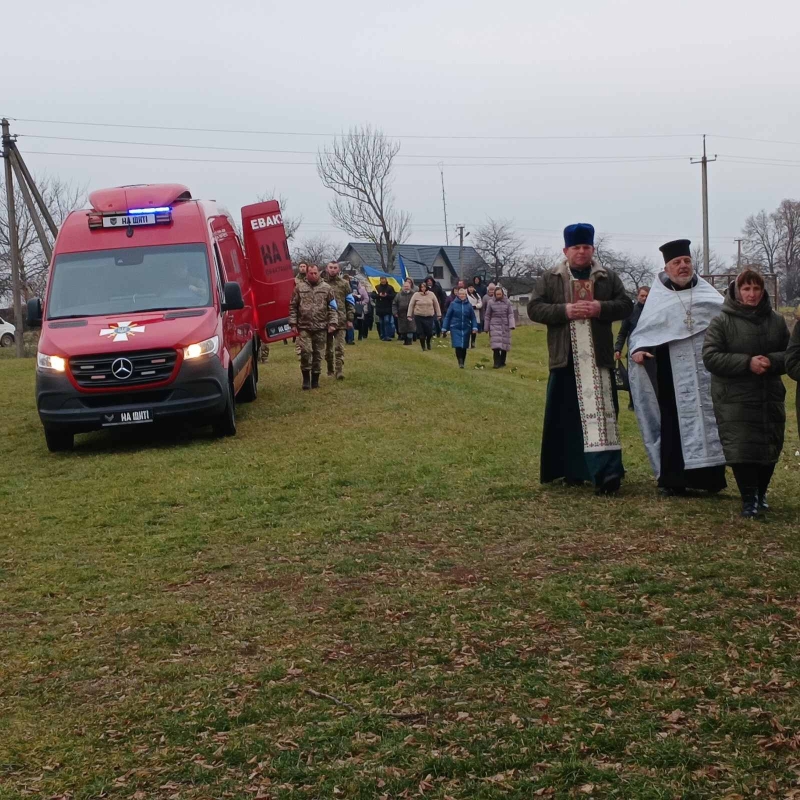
(403, 273)
(374, 276)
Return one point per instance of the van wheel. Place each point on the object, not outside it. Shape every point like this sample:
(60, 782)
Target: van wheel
(7, 340)
(58, 441)
(225, 424)
(249, 390)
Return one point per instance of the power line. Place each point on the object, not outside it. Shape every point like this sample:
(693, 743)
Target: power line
(314, 152)
(329, 135)
(632, 160)
(749, 139)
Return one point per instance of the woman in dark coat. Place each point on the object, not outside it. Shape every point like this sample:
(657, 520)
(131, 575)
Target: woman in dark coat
(793, 362)
(745, 352)
(402, 300)
(460, 322)
(499, 321)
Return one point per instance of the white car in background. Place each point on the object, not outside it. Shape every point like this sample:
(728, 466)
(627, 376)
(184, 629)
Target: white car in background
(6, 334)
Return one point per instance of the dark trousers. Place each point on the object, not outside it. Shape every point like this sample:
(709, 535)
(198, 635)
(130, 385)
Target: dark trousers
(461, 354)
(424, 327)
(472, 338)
(500, 357)
(753, 478)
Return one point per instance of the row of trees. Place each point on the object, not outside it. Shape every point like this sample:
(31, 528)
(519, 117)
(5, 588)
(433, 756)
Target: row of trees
(772, 243)
(503, 249)
(61, 198)
(358, 169)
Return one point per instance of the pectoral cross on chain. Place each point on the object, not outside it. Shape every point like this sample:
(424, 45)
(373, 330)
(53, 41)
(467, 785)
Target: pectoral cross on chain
(689, 320)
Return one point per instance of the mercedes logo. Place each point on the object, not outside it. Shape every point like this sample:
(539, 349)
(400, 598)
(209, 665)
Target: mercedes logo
(122, 369)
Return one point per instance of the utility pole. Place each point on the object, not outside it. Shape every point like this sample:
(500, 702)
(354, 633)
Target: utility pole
(704, 164)
(739, 253)
(461, 237)
(13, 242)
(444, 206)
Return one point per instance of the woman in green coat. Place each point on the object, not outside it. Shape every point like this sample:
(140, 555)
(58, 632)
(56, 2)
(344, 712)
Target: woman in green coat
(793, 360)
(745, 352)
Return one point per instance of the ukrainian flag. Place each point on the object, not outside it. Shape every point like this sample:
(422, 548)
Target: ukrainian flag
(374, 276)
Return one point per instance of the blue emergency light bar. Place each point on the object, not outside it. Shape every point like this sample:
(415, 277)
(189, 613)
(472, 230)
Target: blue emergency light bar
(160, 210)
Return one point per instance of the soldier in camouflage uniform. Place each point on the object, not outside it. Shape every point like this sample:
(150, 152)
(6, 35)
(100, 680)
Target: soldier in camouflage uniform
(313, 312)
(334, 352)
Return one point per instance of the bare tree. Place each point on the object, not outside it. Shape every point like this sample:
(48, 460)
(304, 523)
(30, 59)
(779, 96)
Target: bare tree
(716, 263)
(317, 250)
(358, 169)
(787, 218)
(762, 234)
(60, 198)
(499, 245)
(635, 271)
(533, 264)
(290, 224)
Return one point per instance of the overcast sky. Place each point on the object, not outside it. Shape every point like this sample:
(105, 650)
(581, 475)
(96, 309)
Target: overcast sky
(427, 69)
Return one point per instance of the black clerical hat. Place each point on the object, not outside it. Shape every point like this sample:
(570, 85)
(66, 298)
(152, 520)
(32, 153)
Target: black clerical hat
(676, 249)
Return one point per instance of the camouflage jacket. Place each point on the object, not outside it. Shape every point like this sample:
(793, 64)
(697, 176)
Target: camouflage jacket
(341, 288)
(312, 307)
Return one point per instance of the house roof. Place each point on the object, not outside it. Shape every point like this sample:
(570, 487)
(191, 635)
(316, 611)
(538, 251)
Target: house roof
(418, 259)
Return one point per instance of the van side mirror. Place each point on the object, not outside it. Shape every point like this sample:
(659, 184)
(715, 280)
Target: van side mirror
(34, 313)
(232, 296)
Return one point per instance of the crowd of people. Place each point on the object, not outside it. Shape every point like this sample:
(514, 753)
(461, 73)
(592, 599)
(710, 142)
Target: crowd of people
(705, 374)
(704, 368)
(415, 313)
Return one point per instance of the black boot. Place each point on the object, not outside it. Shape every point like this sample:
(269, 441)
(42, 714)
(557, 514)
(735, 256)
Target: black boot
(315, 380)
(306, 379)
(749, 504)
(422, 344)
(503, 357)
(429, 343)
(497, 363)
(763, 505)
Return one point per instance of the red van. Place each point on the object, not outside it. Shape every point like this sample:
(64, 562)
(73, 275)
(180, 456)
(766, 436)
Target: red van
(154, 311)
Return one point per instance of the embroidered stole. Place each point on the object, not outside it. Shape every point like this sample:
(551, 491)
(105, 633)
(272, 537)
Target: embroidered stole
(595, 394)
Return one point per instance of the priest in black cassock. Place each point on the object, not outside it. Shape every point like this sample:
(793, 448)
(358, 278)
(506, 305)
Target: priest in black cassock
(670, 385)
(578, 300)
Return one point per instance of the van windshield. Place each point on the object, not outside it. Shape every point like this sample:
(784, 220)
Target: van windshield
(128, 280)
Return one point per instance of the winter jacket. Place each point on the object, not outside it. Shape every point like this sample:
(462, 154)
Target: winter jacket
(312, 308)
(628, 327)
(480, 288)
(402, 301)
(750, 408)
(793, 362)
(341, 288)
(460, 322)
(362, 300)
(440, 294)
(477, 305)
(548, 305)
(384, 298)
(499, 322)
(424, 305)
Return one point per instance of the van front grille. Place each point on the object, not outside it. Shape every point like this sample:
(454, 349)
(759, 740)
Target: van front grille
(123, 369)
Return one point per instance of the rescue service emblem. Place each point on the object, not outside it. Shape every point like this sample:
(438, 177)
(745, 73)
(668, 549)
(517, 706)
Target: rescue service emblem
(120, 331)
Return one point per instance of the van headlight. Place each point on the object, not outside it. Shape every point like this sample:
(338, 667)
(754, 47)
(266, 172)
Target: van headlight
(51, 363)
(205, 348)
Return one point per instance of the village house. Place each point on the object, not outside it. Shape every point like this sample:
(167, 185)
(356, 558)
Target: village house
(440, 262)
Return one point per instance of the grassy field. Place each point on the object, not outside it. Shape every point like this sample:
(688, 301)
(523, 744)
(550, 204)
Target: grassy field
(367, 594)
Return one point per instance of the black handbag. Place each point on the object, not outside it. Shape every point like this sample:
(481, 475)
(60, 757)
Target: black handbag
(621, 377)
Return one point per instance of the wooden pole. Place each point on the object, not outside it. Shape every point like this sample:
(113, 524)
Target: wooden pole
(26, 196)
(39, 199)
(13, 243)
